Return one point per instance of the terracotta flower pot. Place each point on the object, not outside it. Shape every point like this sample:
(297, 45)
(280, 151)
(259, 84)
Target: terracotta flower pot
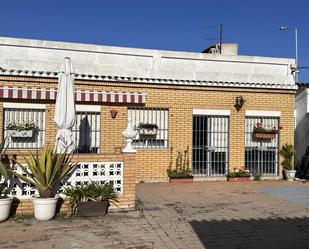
(239, 179)
(181, 180)
(264, 135)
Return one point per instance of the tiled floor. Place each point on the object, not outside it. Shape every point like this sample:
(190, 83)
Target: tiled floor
(197, 215)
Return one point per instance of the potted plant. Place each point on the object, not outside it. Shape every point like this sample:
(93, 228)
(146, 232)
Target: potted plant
(238, 175)
(287, 152)
(21, 130)
(146, 129)
(182, 172)
(92, 199)
(45, 172)
(265, 132)
(5, 200)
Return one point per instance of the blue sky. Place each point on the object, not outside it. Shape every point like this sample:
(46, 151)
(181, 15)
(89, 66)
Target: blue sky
(168, 25)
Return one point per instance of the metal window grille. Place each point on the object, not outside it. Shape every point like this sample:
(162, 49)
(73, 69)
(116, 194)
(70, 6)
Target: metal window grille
(86, 132)
(156, 116)
(21, 115)
(210, 152)
(261, 155)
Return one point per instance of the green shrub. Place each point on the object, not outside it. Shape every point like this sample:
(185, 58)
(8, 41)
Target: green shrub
(4, 176)
(287, 152)
(182, 167)
(238, 173)
(91, 192)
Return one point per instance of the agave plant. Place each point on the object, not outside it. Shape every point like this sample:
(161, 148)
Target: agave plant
(91, 192)
(46, 171)
(3, 171)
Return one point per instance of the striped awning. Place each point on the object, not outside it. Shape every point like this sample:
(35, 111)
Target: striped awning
(82, 96)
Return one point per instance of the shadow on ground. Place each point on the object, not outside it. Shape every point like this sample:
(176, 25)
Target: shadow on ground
(253, 233)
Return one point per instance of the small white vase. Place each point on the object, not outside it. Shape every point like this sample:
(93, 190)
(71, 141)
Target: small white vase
(5, 208)
(44, 208)
(290, 175)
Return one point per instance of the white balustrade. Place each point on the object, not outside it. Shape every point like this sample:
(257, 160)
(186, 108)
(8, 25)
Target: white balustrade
(84, 173)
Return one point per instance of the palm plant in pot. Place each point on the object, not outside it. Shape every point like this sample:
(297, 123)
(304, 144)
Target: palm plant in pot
(45, 171)
(5, 200)
(92, 199)
(287, 152)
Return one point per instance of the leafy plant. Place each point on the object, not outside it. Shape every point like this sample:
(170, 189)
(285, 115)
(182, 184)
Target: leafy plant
(257, 176)
(182, 168)
(4, 176)
(91, 192)
(258, 128)
(287, 152)
(21, 126)
(147, 126)
(46, 171)
(238, 173)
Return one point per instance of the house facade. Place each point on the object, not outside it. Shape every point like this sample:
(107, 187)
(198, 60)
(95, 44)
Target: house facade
(207, 102)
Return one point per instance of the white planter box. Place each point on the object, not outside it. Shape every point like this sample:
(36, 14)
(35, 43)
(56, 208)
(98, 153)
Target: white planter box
(146, 132)
(22, 133)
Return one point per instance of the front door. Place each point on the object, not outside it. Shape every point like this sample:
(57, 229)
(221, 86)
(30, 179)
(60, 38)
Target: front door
(210, 145)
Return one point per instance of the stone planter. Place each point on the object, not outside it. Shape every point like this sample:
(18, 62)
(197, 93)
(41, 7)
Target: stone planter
(44, 208)
(5, 207)
(21, 133)
(92, 208)
(289, 175)
(181, 180)
(260, 135)
(239, 179)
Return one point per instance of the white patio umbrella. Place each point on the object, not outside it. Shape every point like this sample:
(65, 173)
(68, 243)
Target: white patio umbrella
(65, 108)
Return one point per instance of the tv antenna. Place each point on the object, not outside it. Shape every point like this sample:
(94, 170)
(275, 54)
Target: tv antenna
(220, 39)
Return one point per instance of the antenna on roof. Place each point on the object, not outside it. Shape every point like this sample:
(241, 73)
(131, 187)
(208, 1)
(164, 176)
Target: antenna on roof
(220, 39)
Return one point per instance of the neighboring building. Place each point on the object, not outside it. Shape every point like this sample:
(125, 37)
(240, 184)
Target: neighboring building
(301, 120)
(189, 96)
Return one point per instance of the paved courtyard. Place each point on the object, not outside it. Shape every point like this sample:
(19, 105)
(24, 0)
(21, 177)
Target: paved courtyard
(197, 215)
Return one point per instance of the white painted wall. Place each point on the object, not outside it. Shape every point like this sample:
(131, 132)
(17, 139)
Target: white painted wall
(301, 124)
(39, 55)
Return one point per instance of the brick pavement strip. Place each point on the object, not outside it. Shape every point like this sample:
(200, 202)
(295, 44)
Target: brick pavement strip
(197, 215)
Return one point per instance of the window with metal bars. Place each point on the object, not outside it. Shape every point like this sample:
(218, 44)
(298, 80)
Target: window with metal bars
(152, 127)
(86, 132)
(262, 154)
(21, 116)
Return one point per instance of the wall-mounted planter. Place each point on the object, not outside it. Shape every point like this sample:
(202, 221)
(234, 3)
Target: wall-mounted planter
(239, 179)
(260, 135)
(21, 133)
(146, 132)
(181, 180)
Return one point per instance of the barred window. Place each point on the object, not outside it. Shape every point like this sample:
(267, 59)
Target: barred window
(86, 132)
(18, 137)
(152, 127)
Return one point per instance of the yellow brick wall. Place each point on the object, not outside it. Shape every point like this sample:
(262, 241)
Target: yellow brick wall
(180, 100)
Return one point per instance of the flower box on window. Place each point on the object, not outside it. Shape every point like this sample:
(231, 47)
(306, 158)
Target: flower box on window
(146, 132)
(260, 132)
(21, 130)
(146, 129)
(21, 133)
